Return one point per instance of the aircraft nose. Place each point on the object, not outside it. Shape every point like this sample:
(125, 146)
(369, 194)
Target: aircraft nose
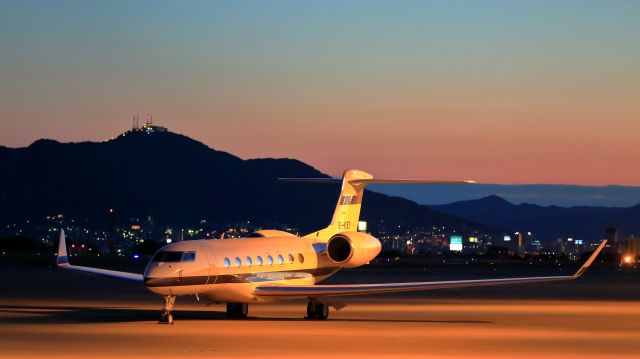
(148, 272)
(157, 279)
(154, 271)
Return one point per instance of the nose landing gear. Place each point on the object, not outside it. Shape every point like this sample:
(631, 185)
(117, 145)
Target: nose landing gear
(166, 317)
(237, 310)
(316, 310)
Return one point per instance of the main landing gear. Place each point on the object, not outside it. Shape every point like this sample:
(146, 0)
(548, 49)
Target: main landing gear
(316, 310)
(237, 310)
(166, 317)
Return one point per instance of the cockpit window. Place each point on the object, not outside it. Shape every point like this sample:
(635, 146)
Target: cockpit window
(189, 257)
(173, 256)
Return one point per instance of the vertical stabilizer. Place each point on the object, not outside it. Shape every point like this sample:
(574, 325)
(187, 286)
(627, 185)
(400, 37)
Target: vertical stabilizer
(347, 213)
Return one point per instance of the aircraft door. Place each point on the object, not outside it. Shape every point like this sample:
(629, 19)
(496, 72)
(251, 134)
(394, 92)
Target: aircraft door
(213, 270)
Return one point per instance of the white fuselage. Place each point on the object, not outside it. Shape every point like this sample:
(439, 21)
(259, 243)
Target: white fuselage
(228, 270)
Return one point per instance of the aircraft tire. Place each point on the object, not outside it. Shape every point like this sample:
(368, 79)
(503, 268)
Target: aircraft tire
(243, 310)
(237, 310)
(166, 318)
(322, 311)
(311, 312)
(317, 311)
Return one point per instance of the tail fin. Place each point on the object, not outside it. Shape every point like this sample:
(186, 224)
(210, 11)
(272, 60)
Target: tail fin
(347, 213)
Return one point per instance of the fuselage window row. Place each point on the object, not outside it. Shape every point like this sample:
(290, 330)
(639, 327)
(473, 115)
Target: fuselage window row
(249, 261)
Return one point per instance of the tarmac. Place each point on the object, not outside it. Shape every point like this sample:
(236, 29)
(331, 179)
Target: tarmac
(51, 313)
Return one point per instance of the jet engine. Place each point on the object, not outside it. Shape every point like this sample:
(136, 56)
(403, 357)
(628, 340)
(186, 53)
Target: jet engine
(352, 249)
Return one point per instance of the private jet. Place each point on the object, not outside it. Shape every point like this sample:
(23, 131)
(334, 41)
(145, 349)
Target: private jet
(273, 265)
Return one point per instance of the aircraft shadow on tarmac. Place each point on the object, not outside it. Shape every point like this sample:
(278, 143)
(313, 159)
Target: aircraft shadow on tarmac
(16, 314)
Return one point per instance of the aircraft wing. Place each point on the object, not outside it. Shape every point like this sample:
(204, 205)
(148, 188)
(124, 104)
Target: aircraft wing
(315, 291)
(63, 262)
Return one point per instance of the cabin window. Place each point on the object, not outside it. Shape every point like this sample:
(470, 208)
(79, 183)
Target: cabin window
(280, 259)
(227, 262)
(269, 260)
(238, 262)
(249, 261)
(300, 258)
(174, 256)
(290, 258)
(259, 259)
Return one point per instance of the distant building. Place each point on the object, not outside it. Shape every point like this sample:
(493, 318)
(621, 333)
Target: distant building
(611, 235)
(148, 127)
(521, 242)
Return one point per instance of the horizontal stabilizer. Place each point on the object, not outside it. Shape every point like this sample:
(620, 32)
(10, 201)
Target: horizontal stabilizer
(312, 180)
(410, 181)
(375, 181)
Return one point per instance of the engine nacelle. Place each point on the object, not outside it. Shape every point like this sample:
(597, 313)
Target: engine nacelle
(352, 249)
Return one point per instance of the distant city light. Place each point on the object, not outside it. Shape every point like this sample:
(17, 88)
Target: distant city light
(507, 238)
(579, 241)
(455, 243)
(627, 259)
(135, 256)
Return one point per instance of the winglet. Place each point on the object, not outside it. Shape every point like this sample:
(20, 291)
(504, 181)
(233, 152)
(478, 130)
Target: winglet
(589, 261)
(63, 259)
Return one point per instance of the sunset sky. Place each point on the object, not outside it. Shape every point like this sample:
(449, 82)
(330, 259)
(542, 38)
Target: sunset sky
(496, 91)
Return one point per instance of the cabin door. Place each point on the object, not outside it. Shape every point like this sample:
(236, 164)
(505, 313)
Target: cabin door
(213, 270)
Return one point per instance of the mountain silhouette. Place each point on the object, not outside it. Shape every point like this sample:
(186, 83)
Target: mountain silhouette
(547, 222)
(180, 181)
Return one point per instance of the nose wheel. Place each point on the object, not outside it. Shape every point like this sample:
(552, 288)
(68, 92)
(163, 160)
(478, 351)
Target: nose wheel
(237, 310)
(166, 317)
(317, 310)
